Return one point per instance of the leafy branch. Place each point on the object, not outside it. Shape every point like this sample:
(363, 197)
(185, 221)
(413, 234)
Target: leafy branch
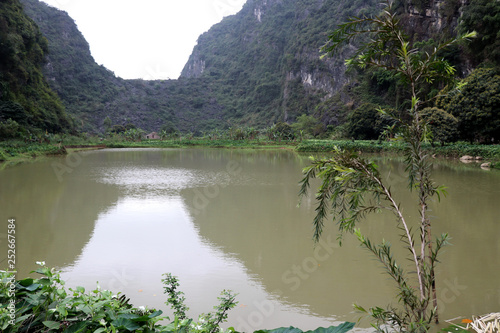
(348, 180)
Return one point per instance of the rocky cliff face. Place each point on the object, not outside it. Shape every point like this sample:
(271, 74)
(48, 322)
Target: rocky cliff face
(435, 19)
(276, 44)
(431, 17)
(195, 67)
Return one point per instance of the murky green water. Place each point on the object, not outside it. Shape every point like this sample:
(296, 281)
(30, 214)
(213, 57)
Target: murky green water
(228, 219)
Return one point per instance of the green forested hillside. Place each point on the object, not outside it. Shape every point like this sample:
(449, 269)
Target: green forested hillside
(92, 93)
(70, 68)
(266, 62)
(27, 104)
(264, 66)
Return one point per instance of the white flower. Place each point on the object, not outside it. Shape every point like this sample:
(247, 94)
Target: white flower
(142, 308)
(41, 263)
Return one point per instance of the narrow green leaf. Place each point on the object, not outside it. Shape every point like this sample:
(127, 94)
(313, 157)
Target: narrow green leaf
(22, 318)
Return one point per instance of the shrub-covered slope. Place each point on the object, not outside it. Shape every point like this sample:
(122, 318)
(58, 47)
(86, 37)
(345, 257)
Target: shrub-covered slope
(25, 97)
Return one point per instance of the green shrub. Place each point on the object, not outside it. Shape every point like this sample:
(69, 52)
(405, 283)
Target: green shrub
(44, 304)
(3, 155)
(365, 123)
(476, 106)
(10, 129)
(444, 126)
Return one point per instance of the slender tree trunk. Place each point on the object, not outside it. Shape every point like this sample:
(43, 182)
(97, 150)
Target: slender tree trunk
(425, 222)
(433, 278)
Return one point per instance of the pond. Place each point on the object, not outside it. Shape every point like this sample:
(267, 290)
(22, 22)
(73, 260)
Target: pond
(229, 219)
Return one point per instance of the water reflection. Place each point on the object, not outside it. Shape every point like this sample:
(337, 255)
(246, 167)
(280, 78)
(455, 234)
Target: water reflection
(54, 218)
(150, 231)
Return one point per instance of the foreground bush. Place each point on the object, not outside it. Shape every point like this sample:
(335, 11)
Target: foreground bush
(45, 305)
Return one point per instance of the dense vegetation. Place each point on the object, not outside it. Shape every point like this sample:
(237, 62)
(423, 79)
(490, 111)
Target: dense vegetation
(476, 106)
(263, 66)
(27, 104)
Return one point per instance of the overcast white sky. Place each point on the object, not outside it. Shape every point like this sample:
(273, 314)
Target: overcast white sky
(149, 39)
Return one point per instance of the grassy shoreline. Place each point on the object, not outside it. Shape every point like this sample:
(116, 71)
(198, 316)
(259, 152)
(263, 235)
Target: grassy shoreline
(455, 150)
(13, 152)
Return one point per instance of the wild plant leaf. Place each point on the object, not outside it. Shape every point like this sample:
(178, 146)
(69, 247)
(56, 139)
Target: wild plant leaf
(77, 328)
(43, 271)
(45, 282)
(33, 287)
(123, 323)
(155, 314)
(85, 308)
(52, 325)
(4, 326)
(34, 299)
(62, 310)
(25, 282)
(345, 327)
(149, 330)
(22, 318)
(137, 318)
(130, 316)
(281, 330)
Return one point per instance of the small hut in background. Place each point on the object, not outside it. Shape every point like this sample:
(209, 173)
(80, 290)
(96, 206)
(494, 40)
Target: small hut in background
(153, 136)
